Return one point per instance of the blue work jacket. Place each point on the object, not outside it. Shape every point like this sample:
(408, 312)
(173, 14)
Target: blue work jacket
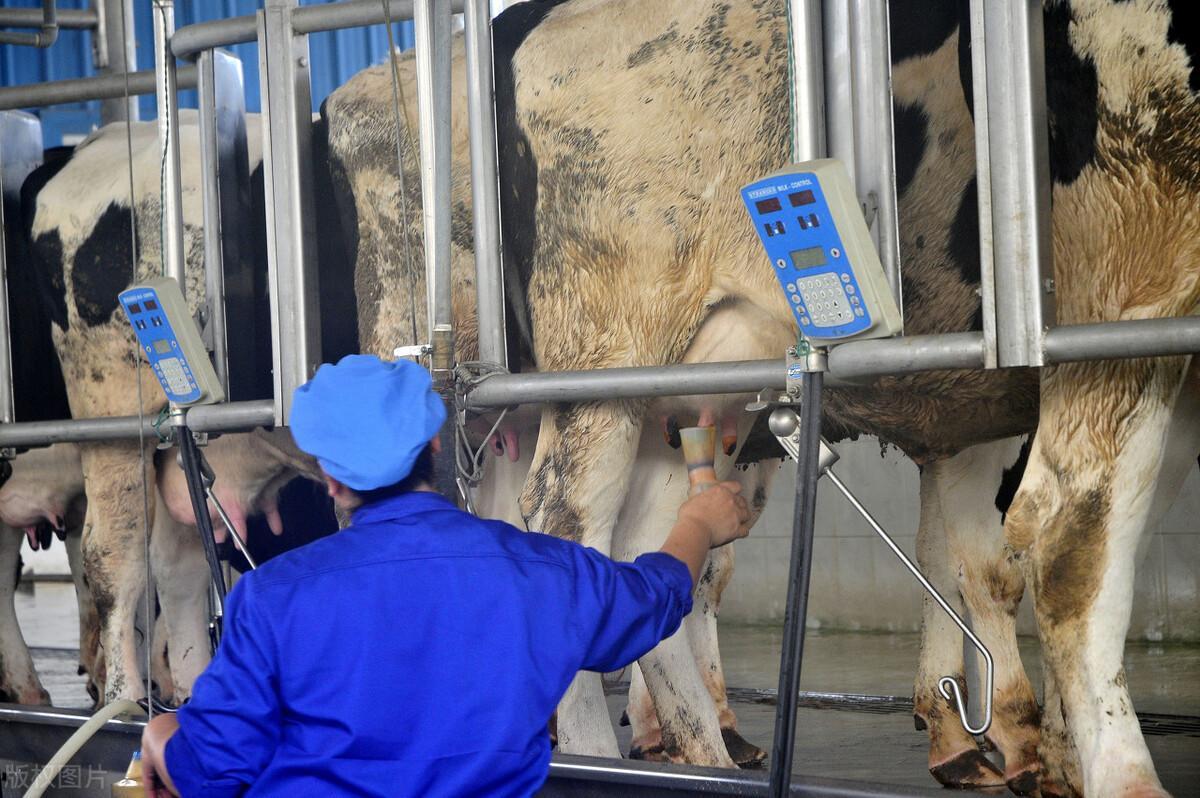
(419, 651)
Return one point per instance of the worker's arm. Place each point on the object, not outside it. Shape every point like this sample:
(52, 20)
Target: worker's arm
(226, 735)
(713, 518)
(158, 732)
(622, 610)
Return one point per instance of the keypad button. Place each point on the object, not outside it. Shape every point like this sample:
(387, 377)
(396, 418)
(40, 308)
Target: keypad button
(835, 252)
(796, 298)
(858, 311)
(851, 290)
(791, 287)
(805, 320)
(781, 263)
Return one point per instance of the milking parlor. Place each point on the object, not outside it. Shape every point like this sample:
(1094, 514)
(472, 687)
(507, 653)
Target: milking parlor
(599, 397)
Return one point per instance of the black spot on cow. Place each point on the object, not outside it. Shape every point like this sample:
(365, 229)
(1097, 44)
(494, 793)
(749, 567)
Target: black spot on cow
(761, 444)
(964, 235)
(101, 268)
(1072, 98)
(1010, 480)
(651, 49)
(964, 56)
(43, 257)
(336, 253)
(919, 27)
(517, 166)
(911, 128)
(1187, 36)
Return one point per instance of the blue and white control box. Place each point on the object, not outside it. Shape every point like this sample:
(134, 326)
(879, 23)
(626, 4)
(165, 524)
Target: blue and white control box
(169, 338)
(810, 223)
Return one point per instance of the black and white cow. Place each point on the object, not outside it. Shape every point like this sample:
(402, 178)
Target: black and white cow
(627, 129)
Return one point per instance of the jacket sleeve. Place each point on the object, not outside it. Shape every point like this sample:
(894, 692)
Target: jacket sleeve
(229, 730)
(624, 609)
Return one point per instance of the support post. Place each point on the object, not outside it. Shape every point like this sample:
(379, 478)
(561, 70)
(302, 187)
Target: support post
(1017, 165)
(291, 234)
(432, 24)
(114, 49)
(20, 154)
(807, 80)
(223, 171)
(485, 199)
(174, 264)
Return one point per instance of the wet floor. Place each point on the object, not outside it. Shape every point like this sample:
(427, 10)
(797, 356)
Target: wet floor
(853, 743)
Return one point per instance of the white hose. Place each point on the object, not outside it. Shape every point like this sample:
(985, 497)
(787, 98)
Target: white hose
(75, 742)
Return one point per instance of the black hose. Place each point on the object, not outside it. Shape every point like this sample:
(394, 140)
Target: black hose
(807, 474)
(189, 460)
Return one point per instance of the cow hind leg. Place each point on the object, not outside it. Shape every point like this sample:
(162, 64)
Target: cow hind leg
(113, 550)
(181, 574)
(575, 488)
(991, 586)
(18, 679)
(89, 621)
(1093, 482)
(954, 757)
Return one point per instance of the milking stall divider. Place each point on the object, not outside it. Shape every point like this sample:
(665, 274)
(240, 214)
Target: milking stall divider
(841, 108)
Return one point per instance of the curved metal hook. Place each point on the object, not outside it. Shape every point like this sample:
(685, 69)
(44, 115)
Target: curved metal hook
(947, 685)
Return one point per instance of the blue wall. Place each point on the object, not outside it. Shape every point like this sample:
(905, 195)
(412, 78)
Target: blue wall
(336, 56)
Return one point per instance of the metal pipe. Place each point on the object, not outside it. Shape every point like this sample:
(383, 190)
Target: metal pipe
(874, 136)
(173, 259)
(6, 374)
(863, 360)
(1018, 151)
(839, 86)
(808, 76)
(115, 53)
(983, 183)
(431, 22)
(230, 417)
(45, 37)
(214, 260)
(76, 90)
(291, 230)
(68, 18)
(1131, 338)
(189, 41)
(485, 198)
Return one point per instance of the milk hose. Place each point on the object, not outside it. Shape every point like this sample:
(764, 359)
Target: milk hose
(76, 741)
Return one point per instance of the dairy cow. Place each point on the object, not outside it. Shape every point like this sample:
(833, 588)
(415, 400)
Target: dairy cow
(627, 132)
(82, 248)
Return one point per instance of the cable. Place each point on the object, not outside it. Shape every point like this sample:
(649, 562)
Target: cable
(62, 756)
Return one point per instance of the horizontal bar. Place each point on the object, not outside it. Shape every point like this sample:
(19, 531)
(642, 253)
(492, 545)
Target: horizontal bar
(77, 90)
(1130, 338)
(189, 41)
(861, 360)
(231, 417)
(67, 18)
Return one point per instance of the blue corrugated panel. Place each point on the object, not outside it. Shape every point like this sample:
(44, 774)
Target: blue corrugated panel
(335, 57)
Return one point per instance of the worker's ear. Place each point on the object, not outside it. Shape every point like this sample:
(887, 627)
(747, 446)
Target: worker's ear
(436, 445)
(335, 489)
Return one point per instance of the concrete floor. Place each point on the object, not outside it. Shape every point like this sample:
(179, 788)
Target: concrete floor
(854, 744)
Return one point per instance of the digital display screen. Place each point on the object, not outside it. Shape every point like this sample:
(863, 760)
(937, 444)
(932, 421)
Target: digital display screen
(769, 205)
(152, 305)
(807, 258)
(801, 198)
(162, 346)
(135, 308)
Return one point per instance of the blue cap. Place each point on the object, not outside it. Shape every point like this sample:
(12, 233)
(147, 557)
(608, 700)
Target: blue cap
(366, 421)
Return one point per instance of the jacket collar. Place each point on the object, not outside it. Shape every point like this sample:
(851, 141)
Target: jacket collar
(396, 507)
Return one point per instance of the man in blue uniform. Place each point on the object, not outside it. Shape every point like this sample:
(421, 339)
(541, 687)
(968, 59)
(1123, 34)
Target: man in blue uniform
(421, 650)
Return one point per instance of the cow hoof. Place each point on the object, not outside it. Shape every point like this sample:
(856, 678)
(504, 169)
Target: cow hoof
(654, 753)
(969, 769)
(1027, 782)
(743, 753)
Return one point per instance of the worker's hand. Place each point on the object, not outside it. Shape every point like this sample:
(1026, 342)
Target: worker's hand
(721, 510)
(155, 778)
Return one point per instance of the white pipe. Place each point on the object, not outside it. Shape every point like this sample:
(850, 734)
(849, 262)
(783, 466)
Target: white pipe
(76, 741)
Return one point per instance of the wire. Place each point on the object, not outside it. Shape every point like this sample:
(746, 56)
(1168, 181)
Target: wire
(399, 106)
(471, 471)
(133, 249)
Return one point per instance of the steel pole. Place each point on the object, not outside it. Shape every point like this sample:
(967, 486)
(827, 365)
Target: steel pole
(485, 198)
(57, 92)
(807, 80)
(115, 53)
(173, 259)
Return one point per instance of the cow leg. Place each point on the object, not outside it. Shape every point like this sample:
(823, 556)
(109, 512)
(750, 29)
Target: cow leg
(1060, 765)
(1077, 520)
(954, 757)
(89, 621)
(18, 679)
(576, 485)
(181, 573)
(991, 586)
(114, 560)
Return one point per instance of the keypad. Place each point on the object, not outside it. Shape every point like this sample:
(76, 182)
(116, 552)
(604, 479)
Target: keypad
(171, 371)
(826, 299)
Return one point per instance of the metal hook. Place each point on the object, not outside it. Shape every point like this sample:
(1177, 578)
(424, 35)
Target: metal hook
(784, 422)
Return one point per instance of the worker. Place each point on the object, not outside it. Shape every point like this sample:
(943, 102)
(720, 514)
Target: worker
(420, 650)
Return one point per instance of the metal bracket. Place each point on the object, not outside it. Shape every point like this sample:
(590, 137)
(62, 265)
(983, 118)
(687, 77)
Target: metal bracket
(785, 425)
(416, 351)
